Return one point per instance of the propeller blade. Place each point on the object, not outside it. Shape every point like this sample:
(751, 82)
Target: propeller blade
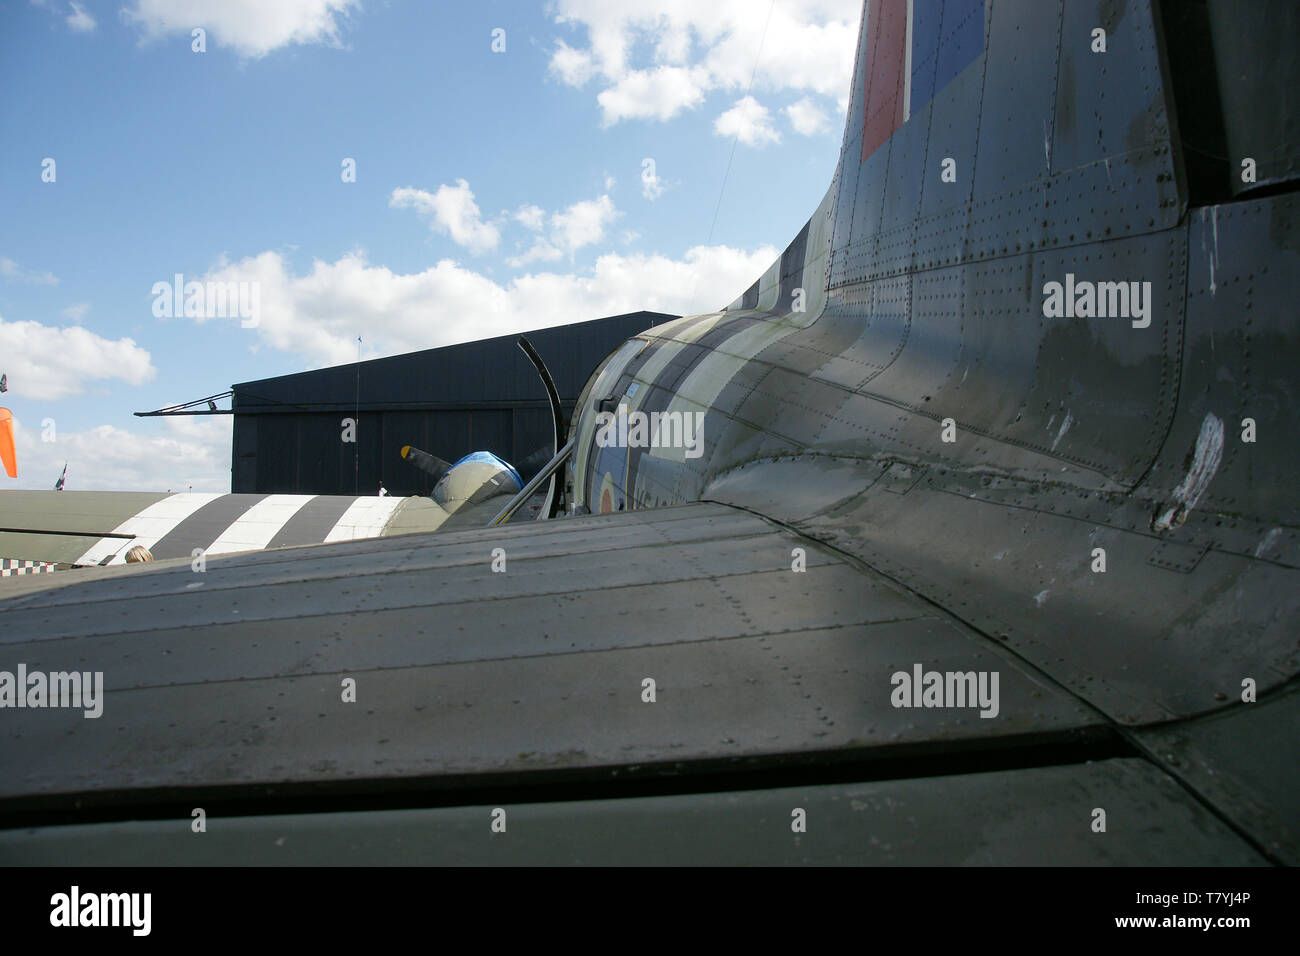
(430, 464)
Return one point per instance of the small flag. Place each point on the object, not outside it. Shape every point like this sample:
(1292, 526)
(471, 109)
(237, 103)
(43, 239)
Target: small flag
(4, 383)
(58, 485)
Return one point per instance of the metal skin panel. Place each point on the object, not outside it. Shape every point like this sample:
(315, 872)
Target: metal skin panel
(1142, 642)
(864, 213)
(879, 330)
(927, 23)
(1019, 817)
(1239, 363)
(962, 25)
(792, 269)
(953, 123)
(1016, 118)
(1098, 107)
(1257, 104)
(1255, 785)
(250, 685)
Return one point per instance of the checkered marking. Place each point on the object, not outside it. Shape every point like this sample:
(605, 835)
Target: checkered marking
(11, 567)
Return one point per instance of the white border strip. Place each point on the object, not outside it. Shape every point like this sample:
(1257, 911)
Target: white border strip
(254, 529)
(365, 518)
(149, 526)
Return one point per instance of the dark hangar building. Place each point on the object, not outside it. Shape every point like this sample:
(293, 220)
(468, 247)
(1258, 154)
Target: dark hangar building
(449, 401)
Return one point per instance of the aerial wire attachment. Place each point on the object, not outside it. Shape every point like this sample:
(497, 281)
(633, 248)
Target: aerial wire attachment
(551, 505)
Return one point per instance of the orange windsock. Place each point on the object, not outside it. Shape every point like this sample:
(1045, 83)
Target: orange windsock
(7, 443)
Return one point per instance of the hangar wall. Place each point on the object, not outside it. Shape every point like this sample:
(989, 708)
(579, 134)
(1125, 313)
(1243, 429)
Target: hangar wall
(450, 401)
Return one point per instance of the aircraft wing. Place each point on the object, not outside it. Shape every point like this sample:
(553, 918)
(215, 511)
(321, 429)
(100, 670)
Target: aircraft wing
(98, 527)
(665, 686)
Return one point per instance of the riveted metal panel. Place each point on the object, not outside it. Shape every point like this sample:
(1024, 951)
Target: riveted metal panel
(882, 330)
(954, 129)
(1107, 103)
(251, 692)
(1011, 817)
(1142, 642)
(906, 172)
(1016, 112)
(923, 362)
(1239, 363)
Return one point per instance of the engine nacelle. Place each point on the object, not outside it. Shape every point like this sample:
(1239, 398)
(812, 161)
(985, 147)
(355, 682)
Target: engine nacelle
(476, 477)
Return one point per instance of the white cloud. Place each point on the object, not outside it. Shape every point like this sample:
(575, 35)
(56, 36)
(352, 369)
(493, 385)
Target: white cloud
(317, 316)
(660, 94)
(807, 118)
(167, 453)
(689, 49)
(76, 312)
(50, 363)
(532, 217)
(253, 28)
(540, 251)
(12, 271)
(79, 20)
(453, 211)
(573, 67)
(581, 224)
(749, 121)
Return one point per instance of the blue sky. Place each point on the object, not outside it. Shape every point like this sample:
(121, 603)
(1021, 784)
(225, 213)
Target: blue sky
(495, 191)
